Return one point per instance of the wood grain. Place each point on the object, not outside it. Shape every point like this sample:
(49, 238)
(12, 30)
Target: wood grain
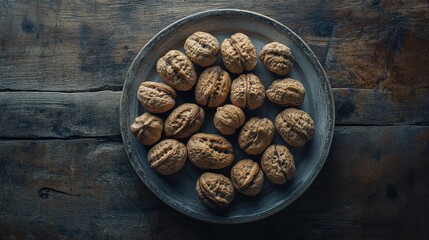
(86, 188)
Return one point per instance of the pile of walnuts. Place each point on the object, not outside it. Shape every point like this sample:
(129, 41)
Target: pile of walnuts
(212, 151)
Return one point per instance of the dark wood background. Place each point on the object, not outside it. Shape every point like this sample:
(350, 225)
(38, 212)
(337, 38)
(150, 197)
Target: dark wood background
(64, 171)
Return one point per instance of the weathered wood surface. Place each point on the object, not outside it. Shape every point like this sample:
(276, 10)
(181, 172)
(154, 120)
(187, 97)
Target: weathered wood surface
(95, 114)
(62, 66)
(370, 187)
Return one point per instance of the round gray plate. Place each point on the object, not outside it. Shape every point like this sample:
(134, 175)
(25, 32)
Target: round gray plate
(177, 190)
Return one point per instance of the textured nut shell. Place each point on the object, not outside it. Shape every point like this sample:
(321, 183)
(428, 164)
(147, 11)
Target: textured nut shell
(210, 151)
(202, 48)
(286, 92)
(247, 91)
(167, 157)
(177, 70)
(247, 177)
(228, 118)
(147, 128)
(277, 58)
(213, 87)
(256, 135)
(238, 53)
(278, 164)
(215, 190)
(156, 97)
(295, 126)
(184, 121)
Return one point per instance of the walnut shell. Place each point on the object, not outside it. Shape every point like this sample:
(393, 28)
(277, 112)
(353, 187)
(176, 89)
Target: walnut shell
(238, 53)
(228, 118)
(213, 87)
(156, 97)
(247, 177)
(215, 190)
(210, 151)
(277, 58)
(184, 121)
(256, 135)
(147, 128)
(177, 70)
(295, 126)
(247, 91)
(278, 164)
(286, 92)
(167, 157)
(202, 48)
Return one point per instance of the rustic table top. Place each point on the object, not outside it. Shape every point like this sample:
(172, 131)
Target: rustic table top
(64, 171)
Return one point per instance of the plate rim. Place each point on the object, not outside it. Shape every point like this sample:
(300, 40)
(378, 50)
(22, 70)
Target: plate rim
(306, 51)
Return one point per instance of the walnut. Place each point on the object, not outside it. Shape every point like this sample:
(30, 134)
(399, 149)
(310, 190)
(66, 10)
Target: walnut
(277, 58)
(215, 190)
(210, 151)
(278, 164)
(247, 177)
(295, 126)
(184, 121)
(256, 135)
(213, 87)
(247, 91)
(238, 53)
(202, 48)
(228, 118)
(147, 128)
(156, 97)
(177, 70)
(286, 92)
(167, 157)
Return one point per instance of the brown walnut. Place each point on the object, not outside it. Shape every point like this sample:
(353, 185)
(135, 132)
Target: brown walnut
(147, 128)
(256, 135)
(202, 48)
(238, 53)
(177, 70)
(210, 151)
(286, 92)
(247, 177)
(278, 164)
(215, 190)
(277, 58)
(228, 118)
(295, 126)
(213, 87)
(247, 91)
(156, 97)
(184, 121)
(167, 157)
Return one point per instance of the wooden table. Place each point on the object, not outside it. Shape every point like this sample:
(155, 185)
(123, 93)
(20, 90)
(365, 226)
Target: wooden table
(64, 171)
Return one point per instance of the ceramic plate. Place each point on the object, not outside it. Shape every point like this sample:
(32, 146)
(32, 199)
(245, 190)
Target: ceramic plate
(178, 190)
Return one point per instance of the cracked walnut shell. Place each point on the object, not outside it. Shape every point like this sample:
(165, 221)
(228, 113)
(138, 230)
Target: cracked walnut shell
(238, 53)
(295, 126)
(215, 190)
(247, 177)
(156, 97)
(286, 92)
(247, 91)
(228, 118)
(213, 87)
(277, 58)
(167, 157)
(210, 151)
(184, 121)
(177, 70)
(256, 135)
(202, 48)
(147, 128)
(278, 164)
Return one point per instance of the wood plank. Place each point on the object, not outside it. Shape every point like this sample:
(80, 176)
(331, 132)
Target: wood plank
(372, 186)
(95, 114)
(79, 46)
